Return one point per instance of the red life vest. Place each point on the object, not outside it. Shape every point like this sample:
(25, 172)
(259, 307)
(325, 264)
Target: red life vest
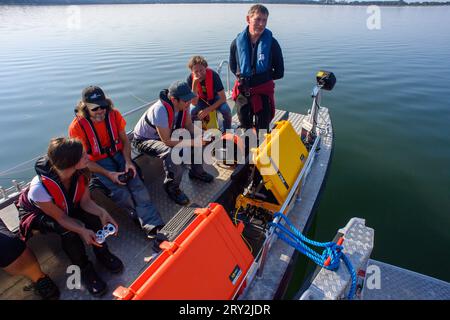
(179, 123)
(96, 150)
(209, 82)
(65, 200)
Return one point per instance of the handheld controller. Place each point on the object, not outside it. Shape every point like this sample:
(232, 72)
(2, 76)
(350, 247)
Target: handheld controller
(102, 234)
(127, 176)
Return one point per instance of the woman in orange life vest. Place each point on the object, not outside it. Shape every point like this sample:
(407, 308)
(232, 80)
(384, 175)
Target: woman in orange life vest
(58, 199)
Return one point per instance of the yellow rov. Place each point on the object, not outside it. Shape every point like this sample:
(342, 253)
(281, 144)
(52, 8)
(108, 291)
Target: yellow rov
(278, 160)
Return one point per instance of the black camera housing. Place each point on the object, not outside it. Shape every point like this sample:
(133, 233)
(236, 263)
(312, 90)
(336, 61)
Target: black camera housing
(326, 79)
(124, 178)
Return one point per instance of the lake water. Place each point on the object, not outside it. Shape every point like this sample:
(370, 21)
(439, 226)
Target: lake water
(390, 106)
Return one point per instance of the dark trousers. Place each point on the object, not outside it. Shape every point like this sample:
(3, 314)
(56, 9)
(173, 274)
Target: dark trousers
(262, 119)
(11, 247)
(71, 242)
(174, 172)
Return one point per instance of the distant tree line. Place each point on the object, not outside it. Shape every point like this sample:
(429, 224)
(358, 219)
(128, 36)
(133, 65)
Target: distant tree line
(389, 3)
(321, 2)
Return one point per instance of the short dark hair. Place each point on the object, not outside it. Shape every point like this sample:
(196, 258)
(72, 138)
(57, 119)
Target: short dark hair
(64, 153)
(197, 60)
(258, 8)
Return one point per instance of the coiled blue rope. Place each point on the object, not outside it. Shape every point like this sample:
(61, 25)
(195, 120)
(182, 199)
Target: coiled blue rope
(297, 240)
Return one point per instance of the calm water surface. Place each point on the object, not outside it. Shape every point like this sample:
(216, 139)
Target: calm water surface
(390, 107)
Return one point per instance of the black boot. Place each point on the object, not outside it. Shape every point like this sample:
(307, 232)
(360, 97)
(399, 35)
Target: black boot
(202, 176)
(176, 194)
(107, 259)
(152, 231)
(46, 289)
(92, 281)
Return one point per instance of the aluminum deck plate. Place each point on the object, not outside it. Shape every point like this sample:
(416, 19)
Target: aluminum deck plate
(401, 284)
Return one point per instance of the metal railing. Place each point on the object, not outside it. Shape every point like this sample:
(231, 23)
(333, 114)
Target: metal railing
(11, 194)
(219, 70)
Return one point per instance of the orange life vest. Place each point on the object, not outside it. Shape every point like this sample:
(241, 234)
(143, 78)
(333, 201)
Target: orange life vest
(96, 151)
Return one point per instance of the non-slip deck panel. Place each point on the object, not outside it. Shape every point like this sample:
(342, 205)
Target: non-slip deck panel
(178, 222)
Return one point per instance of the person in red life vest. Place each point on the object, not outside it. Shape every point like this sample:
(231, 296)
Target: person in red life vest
(18, 260)
(208, 87)
(101, 129)
(256, 59)
(153, 136)
(58, 199)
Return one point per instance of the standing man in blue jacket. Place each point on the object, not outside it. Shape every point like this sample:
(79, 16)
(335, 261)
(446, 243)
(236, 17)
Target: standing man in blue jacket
(256, 60)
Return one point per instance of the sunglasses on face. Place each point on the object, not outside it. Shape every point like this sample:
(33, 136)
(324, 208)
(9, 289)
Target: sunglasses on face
(98, 108)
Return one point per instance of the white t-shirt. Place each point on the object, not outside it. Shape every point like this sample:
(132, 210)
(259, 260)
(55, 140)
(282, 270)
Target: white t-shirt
(37, 192)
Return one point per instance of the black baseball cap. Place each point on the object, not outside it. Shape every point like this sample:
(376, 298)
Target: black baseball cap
(94, 95)
(181, 90)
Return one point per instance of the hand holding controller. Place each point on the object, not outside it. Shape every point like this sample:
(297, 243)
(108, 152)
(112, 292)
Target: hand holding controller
(102, 234)
(125, 177)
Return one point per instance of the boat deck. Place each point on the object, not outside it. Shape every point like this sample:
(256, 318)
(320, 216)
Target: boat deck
(130, 245)
(401, 284)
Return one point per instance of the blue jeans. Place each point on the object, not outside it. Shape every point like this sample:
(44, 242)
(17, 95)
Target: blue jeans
(224, 109)
(134, 196)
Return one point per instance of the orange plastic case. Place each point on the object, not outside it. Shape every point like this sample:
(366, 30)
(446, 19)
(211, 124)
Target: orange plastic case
(208, 260)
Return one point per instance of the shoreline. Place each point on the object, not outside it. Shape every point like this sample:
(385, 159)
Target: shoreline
(109, 2)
